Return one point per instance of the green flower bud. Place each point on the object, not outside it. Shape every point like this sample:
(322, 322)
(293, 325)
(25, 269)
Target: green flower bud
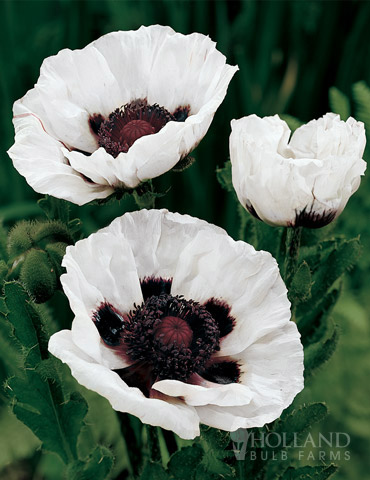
(51, 231)
(20, 238)
(38, 275)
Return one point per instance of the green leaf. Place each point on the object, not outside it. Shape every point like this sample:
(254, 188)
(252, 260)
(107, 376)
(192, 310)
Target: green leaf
(318, 353)
(96, 467)
(27, 323)
(339, 103)
(294, 423)
(183, 463)
(153, 471)
(321, 472)
(311, 317)
(361, 95)
(214, 443)
(224, 177)
(54, 421)
(55, 208)
(300, 288)
(341, 259)
(37, 397)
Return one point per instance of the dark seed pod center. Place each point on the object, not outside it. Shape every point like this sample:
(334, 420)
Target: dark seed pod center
(174, 330)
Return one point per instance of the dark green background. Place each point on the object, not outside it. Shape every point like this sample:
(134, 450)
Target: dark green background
(289, 54)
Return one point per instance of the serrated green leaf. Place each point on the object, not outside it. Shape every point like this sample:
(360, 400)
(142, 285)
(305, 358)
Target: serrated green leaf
(339, 103)
(321, 472)
(33, 404)
(318, 353)
(294, 423)
(183, 463)
(300, 288)
(26, 322)
(224, 177)
(37, 397)
(311, 317)
(96, 467)
(153, 471)
(214, 443)
(341, 259)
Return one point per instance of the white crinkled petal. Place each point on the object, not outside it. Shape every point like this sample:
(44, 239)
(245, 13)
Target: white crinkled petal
(157, 238)
(232, 394)
(215, 266)
(100, 268)
(39, 157)
(317, 171)
(153, 63)
(272, 367)
(176, 416)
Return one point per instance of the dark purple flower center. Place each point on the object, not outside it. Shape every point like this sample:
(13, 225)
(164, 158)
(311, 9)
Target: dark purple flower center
(130, 122)
(174, 330)
(168, 337)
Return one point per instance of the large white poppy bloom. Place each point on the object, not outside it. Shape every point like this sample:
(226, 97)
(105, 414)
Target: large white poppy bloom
(124, 109)
(306, 182)
(178, 324)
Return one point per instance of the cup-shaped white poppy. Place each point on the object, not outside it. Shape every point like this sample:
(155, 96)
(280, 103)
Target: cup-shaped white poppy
(178, 324)
(124, 109)
(306, 181)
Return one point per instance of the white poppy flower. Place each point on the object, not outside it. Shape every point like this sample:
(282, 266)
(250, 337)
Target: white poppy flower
(178, 324)
(306, 182)
(124, 109)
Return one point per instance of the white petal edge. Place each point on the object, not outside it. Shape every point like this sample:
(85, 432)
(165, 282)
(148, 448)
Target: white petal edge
(178, 417)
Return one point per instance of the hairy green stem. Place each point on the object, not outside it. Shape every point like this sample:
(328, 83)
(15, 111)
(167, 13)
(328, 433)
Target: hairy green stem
(292, 244)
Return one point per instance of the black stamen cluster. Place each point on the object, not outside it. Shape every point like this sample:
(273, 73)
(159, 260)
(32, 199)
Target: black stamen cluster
(170, 361)
(111, 135)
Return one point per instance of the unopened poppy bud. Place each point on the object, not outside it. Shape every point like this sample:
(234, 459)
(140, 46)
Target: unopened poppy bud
(20, 238)
(38, 275)
(52, 231)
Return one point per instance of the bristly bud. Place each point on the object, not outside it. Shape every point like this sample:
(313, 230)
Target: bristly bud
(52, 231)
(38, 275)
(20, 238)
(36, 250)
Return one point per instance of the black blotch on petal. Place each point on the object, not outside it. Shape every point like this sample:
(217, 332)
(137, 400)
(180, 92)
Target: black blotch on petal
(155, 286)
(95, 121)
(109, 323)
(222, 372)
(181, 113)
(220, 312)
(252, 211)
(310, 219)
